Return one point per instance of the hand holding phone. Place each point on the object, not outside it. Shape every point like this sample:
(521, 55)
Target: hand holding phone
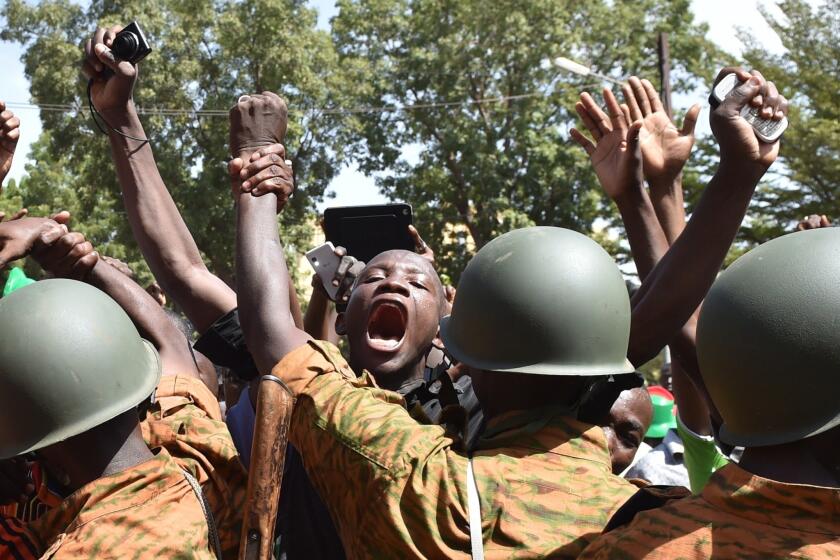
(336, 270)
(766, 130)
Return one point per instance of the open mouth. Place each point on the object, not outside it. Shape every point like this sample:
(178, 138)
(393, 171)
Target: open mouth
(386, 326)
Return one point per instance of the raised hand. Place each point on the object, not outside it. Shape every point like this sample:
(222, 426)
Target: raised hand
(257, 121)
(65, 254)
(266, 171)
(814, 221)
(421, 247)
(16, 216)
(615, 154)
(665, 148)
(9, 136)
(738, 143)
(112, 80)
(18, 237)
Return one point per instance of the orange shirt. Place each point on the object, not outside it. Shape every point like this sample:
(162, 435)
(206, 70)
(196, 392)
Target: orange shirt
(398, 489)
(737, 515)
(150, 511)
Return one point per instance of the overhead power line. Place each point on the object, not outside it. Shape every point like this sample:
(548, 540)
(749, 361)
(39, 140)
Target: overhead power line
(66, 108)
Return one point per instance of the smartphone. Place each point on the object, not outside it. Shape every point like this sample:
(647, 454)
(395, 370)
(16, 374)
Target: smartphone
(366, 231)
(767, 130)
(325, 263)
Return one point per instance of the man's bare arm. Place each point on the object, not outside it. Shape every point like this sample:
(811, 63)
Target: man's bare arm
(263, 282)
(694, 260)
(69, 255)
(262, 279)
(158, 227)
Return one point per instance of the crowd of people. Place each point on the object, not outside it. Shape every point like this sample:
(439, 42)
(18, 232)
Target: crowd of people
(502, 419)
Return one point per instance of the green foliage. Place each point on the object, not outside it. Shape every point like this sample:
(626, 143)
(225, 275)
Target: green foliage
(808, 73)
(206, 53)
(485, 168)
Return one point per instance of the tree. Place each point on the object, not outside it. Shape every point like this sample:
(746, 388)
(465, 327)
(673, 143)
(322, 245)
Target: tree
(808, 73)
(205, 54)
(487, 167)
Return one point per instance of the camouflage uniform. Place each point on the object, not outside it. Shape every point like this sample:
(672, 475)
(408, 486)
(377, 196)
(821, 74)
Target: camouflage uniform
(397, 489)
(150, 511)
(737, 515)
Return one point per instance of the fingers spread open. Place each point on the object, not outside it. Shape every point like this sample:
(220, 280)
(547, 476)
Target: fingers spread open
(588, 121)
(616, 115)
(640, 95)
(630, 99)
(690, 120)
(582, 141)
(599, 117)
(652, 96)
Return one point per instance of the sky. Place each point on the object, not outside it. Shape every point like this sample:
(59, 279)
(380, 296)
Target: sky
(351, 187)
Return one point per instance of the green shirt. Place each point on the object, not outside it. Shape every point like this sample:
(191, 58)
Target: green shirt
(702, 457)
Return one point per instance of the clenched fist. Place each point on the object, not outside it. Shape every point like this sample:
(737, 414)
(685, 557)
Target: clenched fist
(257, 121)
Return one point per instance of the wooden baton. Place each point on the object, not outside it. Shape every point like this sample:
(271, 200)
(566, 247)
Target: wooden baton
(268, 457)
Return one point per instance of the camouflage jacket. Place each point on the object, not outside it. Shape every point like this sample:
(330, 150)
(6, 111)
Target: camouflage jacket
(737, 515)
(397, 488)
(149, 511)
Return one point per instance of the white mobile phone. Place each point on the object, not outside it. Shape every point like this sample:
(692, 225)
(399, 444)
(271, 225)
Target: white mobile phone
(766, 130)
(325, 263)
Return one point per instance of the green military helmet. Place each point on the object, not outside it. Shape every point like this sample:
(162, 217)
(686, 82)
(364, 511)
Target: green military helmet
(17, 279)
(768, 341)
(541, 300)
(70, 360)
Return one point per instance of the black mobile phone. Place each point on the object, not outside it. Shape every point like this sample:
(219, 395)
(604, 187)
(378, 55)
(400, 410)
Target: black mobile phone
(366, 231)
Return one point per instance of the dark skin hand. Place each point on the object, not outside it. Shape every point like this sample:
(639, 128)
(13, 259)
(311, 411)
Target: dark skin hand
(665, 150)
(65, 254)
(813, 221)
(9, 136)
(261, 275)
(22, 213)
(617, 159)
(18, 237)
(321, 316)
(158, 227)
(696, 257)
(71, 256)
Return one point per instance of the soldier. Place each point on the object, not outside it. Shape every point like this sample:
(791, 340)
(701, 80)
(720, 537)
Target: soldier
(70, 387)
(768, 355)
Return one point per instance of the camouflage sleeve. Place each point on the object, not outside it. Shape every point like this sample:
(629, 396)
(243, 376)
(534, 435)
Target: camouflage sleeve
(359, 444)
(186, 420)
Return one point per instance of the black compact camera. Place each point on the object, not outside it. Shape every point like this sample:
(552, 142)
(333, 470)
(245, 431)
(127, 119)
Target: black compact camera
(130, 44)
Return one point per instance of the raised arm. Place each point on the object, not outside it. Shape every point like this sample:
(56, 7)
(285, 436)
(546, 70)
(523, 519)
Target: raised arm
(665, 150)
(695, 258)
(158, 227)
(617, 159)
(69, 255)
(262, 279)
(9, 135)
